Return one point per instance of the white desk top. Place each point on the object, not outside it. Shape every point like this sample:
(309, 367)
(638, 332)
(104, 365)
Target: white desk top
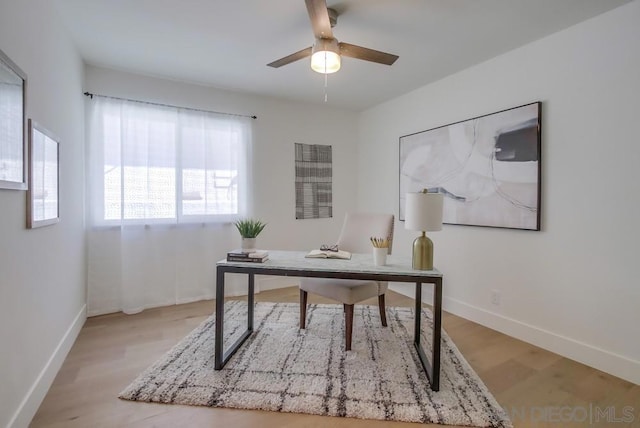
(359, 263)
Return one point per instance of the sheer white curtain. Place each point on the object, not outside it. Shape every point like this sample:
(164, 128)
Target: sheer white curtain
(163, 185)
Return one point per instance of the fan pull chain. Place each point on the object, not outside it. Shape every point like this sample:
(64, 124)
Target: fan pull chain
(326, 78)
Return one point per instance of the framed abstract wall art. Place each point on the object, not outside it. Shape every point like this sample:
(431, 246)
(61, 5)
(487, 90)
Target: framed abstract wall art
(488, 168)
(43, 193)
(13, 146)
(313, 166)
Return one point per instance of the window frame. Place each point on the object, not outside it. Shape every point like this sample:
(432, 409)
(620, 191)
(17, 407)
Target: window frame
(98, 203)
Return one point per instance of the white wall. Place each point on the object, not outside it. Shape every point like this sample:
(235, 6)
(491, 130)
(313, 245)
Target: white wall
(42, 271)
(571, 288)
(279, 125)
(568, 288)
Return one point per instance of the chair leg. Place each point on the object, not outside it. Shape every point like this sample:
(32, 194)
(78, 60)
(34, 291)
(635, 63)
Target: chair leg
(383, 312)
(303, 308)
(348, 319)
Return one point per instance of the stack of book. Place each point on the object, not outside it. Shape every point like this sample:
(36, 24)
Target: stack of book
(253, 256)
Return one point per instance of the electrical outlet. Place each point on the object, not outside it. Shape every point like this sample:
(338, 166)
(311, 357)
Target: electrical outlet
(495, 297)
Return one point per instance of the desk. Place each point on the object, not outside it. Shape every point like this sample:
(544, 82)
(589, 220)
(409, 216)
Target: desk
(293, 263)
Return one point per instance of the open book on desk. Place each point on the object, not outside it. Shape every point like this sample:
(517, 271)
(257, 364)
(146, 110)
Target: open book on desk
(325, 254)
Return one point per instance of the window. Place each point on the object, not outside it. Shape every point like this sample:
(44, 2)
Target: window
(157, 164)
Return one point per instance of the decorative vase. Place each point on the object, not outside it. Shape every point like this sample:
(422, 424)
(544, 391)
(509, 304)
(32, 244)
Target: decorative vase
(248, 244)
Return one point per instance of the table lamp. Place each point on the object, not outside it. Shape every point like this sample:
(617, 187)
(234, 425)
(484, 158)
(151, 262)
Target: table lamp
(423, 212)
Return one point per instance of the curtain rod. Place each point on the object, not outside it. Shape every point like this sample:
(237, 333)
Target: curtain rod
(90, 95)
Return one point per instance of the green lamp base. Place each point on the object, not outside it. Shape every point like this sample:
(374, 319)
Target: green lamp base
(422, 253)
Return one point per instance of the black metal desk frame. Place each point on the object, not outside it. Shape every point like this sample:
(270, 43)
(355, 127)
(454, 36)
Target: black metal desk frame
(432, 369)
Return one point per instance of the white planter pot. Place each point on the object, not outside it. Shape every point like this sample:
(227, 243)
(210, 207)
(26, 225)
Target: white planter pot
(248, 244)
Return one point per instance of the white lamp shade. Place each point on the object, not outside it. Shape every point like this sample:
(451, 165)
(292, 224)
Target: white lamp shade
(326, 56)
(423, 211)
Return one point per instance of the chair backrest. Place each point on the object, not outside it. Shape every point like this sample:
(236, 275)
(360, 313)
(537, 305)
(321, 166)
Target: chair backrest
(359, 227)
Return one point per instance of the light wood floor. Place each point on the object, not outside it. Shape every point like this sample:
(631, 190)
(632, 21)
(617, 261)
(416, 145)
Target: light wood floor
(112, 350)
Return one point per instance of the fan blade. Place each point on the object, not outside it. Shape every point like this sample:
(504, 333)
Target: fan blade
(367, 54)
(319, 17)
(291, 58)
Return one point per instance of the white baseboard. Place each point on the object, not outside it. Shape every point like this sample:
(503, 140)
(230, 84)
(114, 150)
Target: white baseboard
(234, 286)
(31, 402)
(609, 362)
(205, 296)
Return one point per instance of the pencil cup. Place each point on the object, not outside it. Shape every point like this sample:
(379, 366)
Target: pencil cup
(380, 256)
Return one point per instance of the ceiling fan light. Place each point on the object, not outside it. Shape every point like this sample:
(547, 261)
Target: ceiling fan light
(325, 57)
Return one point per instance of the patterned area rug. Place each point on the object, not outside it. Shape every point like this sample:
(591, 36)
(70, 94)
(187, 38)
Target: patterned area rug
(281, 368)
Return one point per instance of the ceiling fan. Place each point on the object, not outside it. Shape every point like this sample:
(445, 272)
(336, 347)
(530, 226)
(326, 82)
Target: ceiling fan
(327, 51)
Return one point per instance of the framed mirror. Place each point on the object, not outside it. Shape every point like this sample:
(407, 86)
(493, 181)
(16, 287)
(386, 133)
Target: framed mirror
(13, 148)
(44, 173)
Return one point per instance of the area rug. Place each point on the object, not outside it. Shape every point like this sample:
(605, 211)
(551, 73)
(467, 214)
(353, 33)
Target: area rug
(283, 369)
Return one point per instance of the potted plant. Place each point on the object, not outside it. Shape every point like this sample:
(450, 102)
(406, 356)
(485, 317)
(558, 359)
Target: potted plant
(249, 229)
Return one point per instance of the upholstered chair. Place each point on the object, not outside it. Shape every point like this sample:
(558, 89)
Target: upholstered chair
(356, 231)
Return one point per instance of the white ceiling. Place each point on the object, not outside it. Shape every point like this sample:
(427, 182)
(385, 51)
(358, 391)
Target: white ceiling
(227, 43)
